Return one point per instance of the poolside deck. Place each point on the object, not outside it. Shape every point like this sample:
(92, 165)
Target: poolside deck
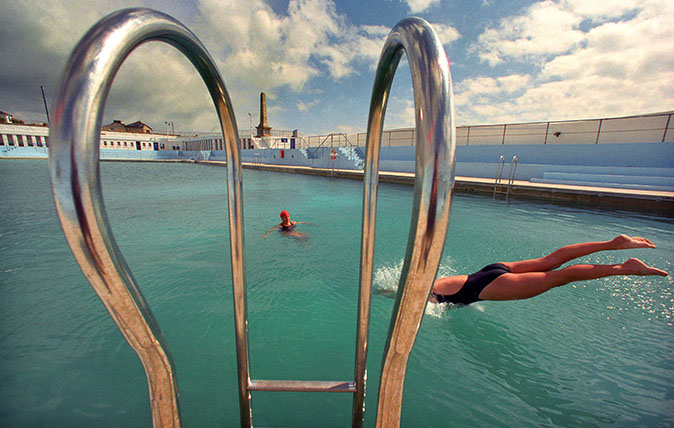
(645, 201)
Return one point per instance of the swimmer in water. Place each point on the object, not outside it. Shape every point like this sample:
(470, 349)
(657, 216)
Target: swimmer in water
(287, 227)
(529, 278)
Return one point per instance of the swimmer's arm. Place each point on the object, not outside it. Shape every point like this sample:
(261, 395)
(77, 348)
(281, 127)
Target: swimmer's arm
(270, 230)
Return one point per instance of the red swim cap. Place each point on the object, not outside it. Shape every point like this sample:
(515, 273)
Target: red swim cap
(284, 213)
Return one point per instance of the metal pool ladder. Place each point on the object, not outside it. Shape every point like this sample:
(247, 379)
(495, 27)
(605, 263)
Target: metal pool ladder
(74, 167)
(499, 175)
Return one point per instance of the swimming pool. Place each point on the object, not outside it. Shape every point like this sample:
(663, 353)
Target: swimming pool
(594, 354)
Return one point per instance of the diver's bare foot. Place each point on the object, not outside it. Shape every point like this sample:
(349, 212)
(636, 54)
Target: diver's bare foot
(637, 267)
(623, 242)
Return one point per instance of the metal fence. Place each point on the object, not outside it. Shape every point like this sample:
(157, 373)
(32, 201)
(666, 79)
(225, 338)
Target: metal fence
(652, 128)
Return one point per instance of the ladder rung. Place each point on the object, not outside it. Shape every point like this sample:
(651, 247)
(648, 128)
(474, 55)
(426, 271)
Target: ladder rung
(301, 386)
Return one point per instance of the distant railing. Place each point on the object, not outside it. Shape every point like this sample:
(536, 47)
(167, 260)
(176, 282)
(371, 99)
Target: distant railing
(635, 129)
(336, 139)
(332, 141)
(654, 128)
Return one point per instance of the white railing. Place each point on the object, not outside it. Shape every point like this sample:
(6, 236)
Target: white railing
(652, 128)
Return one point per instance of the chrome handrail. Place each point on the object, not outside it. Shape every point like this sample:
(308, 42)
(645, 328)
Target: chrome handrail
(74, 167)
(499, 174)
(511, 176)
(435, 156)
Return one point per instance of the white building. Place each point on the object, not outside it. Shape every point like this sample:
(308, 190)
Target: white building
(14, 136)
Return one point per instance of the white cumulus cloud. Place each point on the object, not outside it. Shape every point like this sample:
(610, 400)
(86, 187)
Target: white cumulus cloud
(584, 60)
(418, 6)
(446, 33)
(266, 50)
(305, 106)
(545, 28)
(257, 48)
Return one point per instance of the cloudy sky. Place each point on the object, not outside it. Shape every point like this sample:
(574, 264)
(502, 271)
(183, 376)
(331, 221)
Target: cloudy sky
(511, 61)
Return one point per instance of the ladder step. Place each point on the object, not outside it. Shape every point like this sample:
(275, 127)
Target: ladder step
(302, 386)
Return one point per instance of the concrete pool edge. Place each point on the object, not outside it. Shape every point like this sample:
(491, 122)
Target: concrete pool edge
(643, 201)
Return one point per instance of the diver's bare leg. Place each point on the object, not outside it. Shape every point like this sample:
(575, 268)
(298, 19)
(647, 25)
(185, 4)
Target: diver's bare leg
(514, 286)
(571, 252)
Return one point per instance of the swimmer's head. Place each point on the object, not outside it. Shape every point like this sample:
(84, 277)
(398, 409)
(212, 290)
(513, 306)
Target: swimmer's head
(284, 213)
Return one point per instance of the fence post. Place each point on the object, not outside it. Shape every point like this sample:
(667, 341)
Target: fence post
(664, 134)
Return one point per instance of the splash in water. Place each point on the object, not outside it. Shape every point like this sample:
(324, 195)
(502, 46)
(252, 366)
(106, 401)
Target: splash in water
(386, 280)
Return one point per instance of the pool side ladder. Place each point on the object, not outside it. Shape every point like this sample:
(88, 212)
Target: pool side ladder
(499, 175)
(74, 162)
(433, 185)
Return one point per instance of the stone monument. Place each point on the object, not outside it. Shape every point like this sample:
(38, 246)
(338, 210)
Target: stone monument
(263, 129)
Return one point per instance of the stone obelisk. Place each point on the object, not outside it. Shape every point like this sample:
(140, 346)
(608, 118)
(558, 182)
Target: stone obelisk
(263, 129)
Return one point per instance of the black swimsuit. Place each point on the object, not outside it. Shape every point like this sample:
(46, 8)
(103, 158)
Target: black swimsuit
(287, 228)
(474, 285)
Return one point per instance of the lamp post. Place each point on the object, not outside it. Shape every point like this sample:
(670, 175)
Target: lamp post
(44, 99)
(250, 142)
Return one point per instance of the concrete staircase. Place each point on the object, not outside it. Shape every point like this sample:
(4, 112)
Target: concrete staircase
(353, 154)
(311, 153)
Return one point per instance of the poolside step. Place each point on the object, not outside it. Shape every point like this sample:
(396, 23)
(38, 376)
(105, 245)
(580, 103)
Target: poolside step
(612, 178)
(608, 180)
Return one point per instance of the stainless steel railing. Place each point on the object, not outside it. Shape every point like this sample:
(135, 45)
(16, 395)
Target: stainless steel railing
(511, 175)
(74, 166)
(435, 148)
(499, 174)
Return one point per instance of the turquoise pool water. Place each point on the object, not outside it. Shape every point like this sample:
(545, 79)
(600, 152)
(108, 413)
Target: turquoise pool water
(598, 353)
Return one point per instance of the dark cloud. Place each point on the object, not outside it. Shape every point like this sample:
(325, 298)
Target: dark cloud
(155, 84)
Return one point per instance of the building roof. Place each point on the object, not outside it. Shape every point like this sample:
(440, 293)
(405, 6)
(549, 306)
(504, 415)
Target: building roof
(139, 124)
